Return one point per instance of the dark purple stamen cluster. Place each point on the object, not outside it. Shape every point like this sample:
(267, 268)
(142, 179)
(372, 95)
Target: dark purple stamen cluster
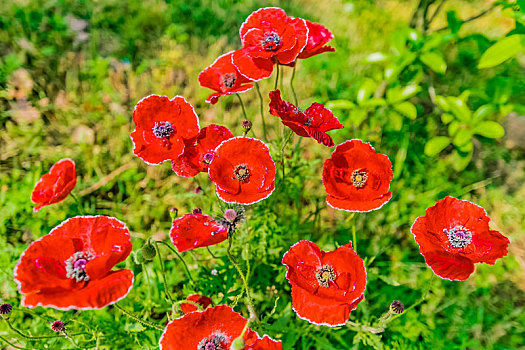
(76, 266)
(459, 236)
(228, 80)
(271, 41)
(217, 341)
(5, 309)
(163, 130)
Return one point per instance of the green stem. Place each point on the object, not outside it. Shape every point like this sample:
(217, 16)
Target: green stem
(261, 109)
(133, 317)
(11, 344)
(291, 84)
(249, 302)
(354, 236)
(276, 76)
(29, 337)
(211, 253)
(70, 339)
(180, 258)
(163, 272)
(282, 150)
(242, 105)
(79, 204)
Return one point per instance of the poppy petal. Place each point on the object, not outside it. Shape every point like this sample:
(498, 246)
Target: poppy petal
(196, 230)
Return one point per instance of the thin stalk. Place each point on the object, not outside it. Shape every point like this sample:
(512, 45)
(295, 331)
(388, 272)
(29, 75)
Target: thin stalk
(242, 105)
(354, 236)
(249, 302)
(180, 258)
(282, 150)
(470, 19)
(211, 253)
(291, 84)
(71, 339)
(11, 344)
(163, 272)
(276, 77)
(133, 317)
(261, 109)
(79, 204)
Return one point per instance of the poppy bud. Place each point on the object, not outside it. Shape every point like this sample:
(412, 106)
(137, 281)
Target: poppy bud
(230, 215)
(5, 309)
(237, 344)
(148, 251)
(397, 307)
(173, 212)
(139, 257)
(246, 125)
(57, 326)
(197, 211)
(198, 189)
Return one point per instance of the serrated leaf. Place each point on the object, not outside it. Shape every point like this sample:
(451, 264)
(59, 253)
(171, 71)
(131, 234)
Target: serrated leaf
(462, 137)
(436, 145)
(489, 129)
(434, 61)
(501, 51)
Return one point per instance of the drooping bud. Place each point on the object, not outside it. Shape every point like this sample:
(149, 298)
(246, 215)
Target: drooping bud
(57, 326)
(397, 307)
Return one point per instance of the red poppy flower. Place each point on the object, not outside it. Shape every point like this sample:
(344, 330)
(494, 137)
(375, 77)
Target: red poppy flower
(163, 128)
(318, 37)
(202, 300)
(56, 185)
(264, 343)
(314, 122)
(326, 286)
(454, 235)
(70, 268)
(223, 77)
(196, 230)
(243, 171)
(197, 157)
(213, 328)
(357, 178)
(268, 34)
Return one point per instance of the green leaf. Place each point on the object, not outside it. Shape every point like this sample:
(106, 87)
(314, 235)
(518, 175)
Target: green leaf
(454, 22)
(442, 103)
(134, 327)
(489, 129)
(407, 109)
(401, 93)
(453, 128)
(373, 102)
(462, 137)
(436, 145)
(376, 57)
(447, 118)
(459, 108)
(482, 112)
(340, 104)
(395, 121)
(434, 61)
(460, 160)
(365, 90)
(501, 51)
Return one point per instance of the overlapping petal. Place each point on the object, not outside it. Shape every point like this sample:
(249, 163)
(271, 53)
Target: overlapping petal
(56, 185)
(202, 300)
(196, 230)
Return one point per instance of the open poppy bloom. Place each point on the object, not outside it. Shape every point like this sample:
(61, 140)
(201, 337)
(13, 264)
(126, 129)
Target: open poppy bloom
(318, 37)
(454, 235)
(214, 328)
(357, 178)
(224, 78)
(314, 122)
(269, 35)
(71, 267)
(202, 300)
(163, 127)
(197, 157)
(242, 170)
(56, 185)
(326, 286)
(196, 230)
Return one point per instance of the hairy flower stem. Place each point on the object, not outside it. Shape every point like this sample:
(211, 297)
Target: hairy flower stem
(71, 340)
(291, 84)
(181, 260)
(282, 150)
(11, 344)
(261, 109)
(135, 318)
(29, 337)
(163, 272)
(242, 106)
(249, 302)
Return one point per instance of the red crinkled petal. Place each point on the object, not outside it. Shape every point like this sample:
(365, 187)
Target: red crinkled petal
(189, 330)
(214, 98)
(202, 300)
(320, 50)
(265, 343)
(318, 35)
(196, 230)
(321, 311)
(337, 177)
(449, 266)
(189, 163)
(96, 294)
(40, 272)
(299, 36)
(491, 245)
(259, 18)
(251, 153)
(160, 109)
(56, 185)
(252, 68)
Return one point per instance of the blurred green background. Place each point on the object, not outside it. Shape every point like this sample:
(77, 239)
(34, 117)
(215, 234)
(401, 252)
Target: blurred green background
(438, 86)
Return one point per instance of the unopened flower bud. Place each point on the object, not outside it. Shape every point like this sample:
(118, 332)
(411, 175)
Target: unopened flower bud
(246, 125)
(198, 189)
(397, 307)
(230, 215)
(57, 326)
(139, 258)
(148, 251)
(5, 309)
(173, 213)
(197, 211)
(237, 344)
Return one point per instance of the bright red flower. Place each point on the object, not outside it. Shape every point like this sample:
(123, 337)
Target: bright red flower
(71, 267)
(265, 343)
(357, 178)
(202, 300)
(164, 126)
(56, 185)
(197, 157)
(214, 328)
(326, 286)
(269, 35)
(454, 235)
(196, 230)
(314, 122)
(318, 37)
(223, 77)
(243, 171)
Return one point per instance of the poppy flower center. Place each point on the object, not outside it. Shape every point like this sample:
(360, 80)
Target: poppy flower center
(228, 80)
(76, 266)
(242, 173)
(359, 178)
(207, 158)
(324, 275)
(163, 130)
(308, 121)
(271, 41)
(217, 341)
(459, 236)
